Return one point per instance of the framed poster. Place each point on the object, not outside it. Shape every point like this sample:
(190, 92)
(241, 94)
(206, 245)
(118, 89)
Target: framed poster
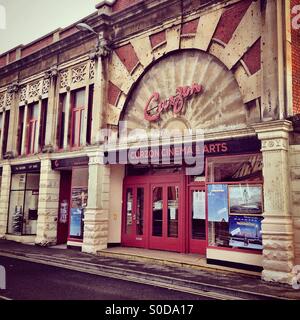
(217, 203)
(245, 232)
(79, 197)
(245, 199)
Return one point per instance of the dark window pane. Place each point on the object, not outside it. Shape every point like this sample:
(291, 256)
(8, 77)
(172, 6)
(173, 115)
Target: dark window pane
(140, 212)
(173, 211)
(157, 223)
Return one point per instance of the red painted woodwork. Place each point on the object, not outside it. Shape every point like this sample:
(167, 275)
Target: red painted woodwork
(158, 38)
(190, 27)
(128, 56)
(64, 204)
(252, 57)
(230, 20)
(167, 229)
(113, 93)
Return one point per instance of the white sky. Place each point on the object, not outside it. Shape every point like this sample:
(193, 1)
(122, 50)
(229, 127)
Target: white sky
(27, 20)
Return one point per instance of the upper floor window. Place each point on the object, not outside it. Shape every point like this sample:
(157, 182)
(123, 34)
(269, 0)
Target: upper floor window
(33, 129)
(4, 126)
(77, 118)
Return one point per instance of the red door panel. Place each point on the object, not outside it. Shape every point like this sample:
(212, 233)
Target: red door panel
(64, 207)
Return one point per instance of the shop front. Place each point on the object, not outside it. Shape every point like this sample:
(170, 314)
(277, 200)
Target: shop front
(73, 197)
(221, 208)
(188, 106)
(24, 200)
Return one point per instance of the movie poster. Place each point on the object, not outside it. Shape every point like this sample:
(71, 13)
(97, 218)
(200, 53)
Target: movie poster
(245, 232)
(245, 199)
(217, 203)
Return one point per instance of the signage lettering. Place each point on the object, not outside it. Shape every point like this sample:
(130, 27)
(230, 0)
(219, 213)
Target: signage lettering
(155, 107)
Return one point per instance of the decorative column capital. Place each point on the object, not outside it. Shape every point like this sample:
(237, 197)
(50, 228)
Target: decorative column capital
(51, 73)
(13, 88)
(274, 134)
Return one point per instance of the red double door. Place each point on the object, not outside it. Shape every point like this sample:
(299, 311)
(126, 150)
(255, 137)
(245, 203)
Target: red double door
(159, 213)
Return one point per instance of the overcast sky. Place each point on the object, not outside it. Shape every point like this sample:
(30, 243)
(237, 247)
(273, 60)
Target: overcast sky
(27, 20)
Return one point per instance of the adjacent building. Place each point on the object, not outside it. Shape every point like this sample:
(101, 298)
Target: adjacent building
(229, 69)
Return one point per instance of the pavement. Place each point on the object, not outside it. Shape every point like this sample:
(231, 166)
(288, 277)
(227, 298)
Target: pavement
(214, 284)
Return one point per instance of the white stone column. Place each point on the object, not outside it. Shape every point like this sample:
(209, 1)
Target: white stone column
(277, 226)
(51, 123)
(96, 213)
(4, 198)
(48, 204)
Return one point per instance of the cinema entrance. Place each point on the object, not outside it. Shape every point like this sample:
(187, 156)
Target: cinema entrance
(162, 210)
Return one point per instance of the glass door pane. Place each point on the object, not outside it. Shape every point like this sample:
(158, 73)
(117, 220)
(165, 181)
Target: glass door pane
(198, 215)
(157, 213)
(173, 211)
(140, 212)
(129, 206)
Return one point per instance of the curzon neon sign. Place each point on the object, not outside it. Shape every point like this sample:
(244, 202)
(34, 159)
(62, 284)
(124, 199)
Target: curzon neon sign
(154, 107)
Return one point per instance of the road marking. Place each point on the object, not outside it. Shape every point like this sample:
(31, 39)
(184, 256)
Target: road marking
(135, 278)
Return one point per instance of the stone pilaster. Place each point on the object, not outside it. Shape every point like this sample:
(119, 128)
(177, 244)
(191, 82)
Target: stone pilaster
(4, 198)
(96, 213)
(51, 125)
(48, 204)
(277, 226)
(272, 98)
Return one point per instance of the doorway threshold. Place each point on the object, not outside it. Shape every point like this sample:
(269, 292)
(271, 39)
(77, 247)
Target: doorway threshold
(187, 260)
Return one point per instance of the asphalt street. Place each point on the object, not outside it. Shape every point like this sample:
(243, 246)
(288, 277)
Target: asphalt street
(33, 281)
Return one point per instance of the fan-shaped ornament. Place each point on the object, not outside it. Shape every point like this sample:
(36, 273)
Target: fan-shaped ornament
(187, 89)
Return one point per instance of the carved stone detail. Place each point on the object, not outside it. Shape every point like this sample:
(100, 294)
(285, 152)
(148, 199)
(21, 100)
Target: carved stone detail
(34, 89)
(46, 86)
(64, 78)
(79, 74)
(9, 98)
(92, 69)
(2, 100)
(23, 93)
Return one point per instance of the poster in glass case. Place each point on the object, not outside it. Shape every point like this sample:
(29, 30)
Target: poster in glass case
(245, 232)
(217, 203)
(245, 199)
(76, 222)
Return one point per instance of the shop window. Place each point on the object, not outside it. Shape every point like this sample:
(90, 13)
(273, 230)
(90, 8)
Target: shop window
(235, 202)
(43, 124)
(23, 206)
(20, 129)
(33, 130)
(79, 200)
(77, 122)
(61, 120)
(4, 130)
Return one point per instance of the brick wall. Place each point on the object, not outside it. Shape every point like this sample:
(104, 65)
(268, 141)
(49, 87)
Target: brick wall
(296, 64)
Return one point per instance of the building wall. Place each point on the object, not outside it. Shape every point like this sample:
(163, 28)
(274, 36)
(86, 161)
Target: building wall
(295, 34)
(115, 204)
(295, 196)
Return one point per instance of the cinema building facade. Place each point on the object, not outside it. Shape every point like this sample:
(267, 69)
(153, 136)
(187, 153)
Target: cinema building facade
(226, 69)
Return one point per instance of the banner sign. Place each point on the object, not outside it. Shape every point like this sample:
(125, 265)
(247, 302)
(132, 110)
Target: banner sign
(68, 163)
(184, 151)
(25, 168)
